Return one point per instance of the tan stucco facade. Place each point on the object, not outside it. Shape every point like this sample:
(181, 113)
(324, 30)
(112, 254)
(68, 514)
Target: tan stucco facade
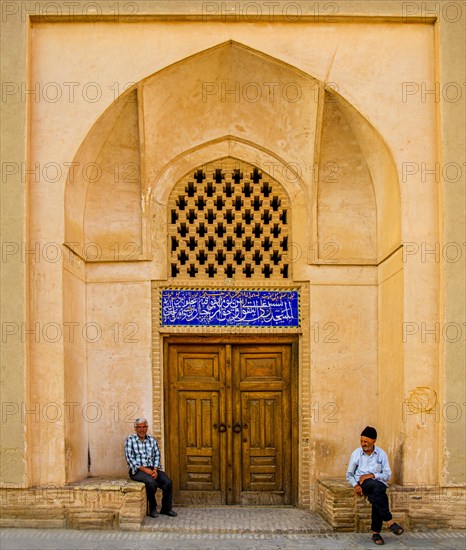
(357, 112)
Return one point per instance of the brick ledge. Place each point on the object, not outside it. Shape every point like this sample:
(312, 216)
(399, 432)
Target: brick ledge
(415, 506)
(92, 503)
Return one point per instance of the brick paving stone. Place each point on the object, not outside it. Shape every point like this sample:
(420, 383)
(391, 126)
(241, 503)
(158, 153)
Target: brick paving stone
(212, 519)
(43, 539)
(218, 528)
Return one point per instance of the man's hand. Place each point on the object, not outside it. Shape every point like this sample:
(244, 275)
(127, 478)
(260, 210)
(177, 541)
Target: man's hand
(364, 477)
(358, 490)
(149, 471)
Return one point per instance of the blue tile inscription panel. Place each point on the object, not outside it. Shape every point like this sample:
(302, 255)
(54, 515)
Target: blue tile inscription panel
(230, 308)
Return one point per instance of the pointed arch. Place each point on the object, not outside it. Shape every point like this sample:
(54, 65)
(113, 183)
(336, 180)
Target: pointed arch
(227, 90)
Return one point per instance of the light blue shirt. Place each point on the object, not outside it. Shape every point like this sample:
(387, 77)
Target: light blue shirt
(376, 463)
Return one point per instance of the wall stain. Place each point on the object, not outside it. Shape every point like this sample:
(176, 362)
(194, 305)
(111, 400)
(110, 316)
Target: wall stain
(421, 399)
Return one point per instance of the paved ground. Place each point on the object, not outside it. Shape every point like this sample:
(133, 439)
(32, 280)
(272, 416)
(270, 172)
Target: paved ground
(214, 528)
(240, 520)
(41, 539)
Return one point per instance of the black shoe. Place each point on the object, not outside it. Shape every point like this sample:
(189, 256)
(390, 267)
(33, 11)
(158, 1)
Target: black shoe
(396, 529)
(170, 513)
(154, 514)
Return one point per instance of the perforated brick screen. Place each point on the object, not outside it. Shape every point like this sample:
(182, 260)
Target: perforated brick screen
(229, 219)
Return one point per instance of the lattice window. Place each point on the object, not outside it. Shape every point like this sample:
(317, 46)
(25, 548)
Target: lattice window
(229, 219)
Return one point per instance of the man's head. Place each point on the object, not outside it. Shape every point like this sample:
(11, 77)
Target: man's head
(140, 427)
(368, 437)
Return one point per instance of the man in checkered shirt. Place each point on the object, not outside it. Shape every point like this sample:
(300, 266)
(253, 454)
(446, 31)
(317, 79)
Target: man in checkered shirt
(143, 458)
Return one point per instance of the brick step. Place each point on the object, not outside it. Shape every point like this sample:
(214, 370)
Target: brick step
(238, 520)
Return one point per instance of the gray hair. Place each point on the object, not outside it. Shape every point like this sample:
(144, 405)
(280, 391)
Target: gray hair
(140, 421)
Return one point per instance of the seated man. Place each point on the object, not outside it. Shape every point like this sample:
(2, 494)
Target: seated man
(368, 472)
(143, 458)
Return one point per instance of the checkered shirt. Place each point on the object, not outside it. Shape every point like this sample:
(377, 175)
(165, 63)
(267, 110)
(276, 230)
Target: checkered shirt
(142, 452)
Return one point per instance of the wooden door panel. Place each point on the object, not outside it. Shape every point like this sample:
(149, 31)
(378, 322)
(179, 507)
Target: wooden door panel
(199, 441)
(196, 369)
(262, 376)
(196, 408)
(260, 366)
(262, 447)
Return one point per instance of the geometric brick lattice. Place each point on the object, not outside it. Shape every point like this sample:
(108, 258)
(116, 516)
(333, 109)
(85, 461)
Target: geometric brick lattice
(228, 219)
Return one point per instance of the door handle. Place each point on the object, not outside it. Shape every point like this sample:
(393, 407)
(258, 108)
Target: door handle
(222, 428)
(237, 428)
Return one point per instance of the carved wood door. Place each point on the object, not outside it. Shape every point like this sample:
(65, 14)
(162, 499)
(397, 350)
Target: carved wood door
(229, 423)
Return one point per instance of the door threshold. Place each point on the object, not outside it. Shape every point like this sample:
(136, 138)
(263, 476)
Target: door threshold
(241, 506)
(236, 519)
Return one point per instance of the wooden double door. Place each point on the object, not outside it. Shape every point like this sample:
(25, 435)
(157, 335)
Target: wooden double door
(230, 424)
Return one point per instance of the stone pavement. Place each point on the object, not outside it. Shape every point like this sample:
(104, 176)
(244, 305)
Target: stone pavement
(240, 520)
(43, 539)
(221, 528)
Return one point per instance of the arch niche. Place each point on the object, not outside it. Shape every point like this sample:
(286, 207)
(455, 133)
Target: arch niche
(228, 102)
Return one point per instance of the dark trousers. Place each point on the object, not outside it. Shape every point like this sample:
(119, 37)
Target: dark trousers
(376, 492)
(163, 482)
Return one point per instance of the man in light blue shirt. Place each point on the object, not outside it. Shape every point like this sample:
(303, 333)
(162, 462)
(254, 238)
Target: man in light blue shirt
(368, 473)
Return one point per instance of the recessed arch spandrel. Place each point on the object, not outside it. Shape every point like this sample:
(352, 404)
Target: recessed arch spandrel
(357, 204)
(103, 216)
(243, 98)
(383, 173)
(346, 206)
(230, 90)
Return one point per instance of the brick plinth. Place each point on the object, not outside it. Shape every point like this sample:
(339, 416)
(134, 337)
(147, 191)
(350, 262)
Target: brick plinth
(415, 507)
(94, 503)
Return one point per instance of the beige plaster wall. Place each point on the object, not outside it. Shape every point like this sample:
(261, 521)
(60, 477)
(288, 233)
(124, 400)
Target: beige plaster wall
(345, 53)
(214, 120)
(421, 363)
(45, 344)
(452, 148)
(390, 396)
(343, 371)
(76, 413)
(119, 368)
(13, 41)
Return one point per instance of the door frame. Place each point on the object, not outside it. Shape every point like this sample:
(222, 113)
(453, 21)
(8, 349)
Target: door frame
(225, 339)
